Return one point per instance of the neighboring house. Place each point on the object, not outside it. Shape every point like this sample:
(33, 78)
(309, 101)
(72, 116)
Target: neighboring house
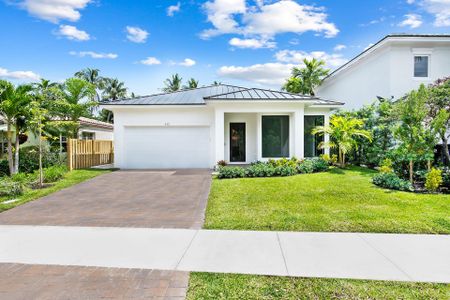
(196, 128)
(393, 66)
(90, 129)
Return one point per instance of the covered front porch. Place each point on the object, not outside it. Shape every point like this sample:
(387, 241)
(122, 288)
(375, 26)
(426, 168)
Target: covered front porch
(246, 137)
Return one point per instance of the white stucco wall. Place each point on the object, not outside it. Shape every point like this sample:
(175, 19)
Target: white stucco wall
(250, 113)
(386, 72)
(100, 134)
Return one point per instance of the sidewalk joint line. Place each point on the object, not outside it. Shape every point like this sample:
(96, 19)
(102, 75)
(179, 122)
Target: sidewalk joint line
(385, 256)
(187, 248)
(282, 253)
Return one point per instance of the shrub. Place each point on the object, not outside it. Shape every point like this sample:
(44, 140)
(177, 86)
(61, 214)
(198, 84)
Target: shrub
(221, 163)
(4, 167)
(319, 164)
(386, 166)
(285, 170)
(305, 167)
(392, 181)
(29, 159)
(10, 187)
(53, 173)
(283, 162)
(433, 180)
(260, 170)
(231, 172)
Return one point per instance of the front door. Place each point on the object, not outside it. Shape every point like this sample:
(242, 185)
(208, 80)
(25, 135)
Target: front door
(237, 142)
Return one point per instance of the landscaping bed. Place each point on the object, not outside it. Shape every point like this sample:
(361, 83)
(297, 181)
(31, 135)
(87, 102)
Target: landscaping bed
(340, 200)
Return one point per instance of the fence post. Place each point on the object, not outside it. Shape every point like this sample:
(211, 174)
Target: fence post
(69, 154)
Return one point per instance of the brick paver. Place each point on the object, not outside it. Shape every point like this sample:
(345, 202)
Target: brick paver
(157, 199)
(18, 281)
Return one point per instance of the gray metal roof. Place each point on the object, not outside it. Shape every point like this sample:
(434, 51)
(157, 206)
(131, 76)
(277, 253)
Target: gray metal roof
(199, 96)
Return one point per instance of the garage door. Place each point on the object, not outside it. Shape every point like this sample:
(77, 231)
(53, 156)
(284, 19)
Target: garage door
(166, 147)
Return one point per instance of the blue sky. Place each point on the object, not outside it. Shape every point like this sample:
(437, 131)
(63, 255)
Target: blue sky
(253, 43)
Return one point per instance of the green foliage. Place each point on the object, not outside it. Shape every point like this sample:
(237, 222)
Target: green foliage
(10, 187)
(433, 180)
(343, 132)
(172, 84)
(319, 164)
(307, 78)
(4, 168)
(285, 171)
(29, 159)
(261, 170)
(392, 181)
(54, 173)
(305, 167)
(231, 172)
(386, 166)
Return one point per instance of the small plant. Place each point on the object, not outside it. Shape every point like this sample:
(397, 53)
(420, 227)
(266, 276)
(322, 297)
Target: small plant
(386, 166)
(319, 164)
(392, 181)
(54, 173)
(231, 172)
(433, 180)
(222, 163)
(260, 170)
(9, 187)
(305, 167)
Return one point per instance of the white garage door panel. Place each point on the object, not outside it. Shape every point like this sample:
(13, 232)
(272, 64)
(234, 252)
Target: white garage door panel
(167, 147)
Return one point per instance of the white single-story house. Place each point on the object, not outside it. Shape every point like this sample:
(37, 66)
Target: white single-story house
(390, 68)
(196, 128)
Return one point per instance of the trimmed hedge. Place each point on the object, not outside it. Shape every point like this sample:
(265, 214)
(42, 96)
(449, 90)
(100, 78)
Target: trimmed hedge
(392, 181)
(281, 167)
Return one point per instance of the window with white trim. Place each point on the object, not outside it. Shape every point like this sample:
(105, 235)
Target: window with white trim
(421, 64)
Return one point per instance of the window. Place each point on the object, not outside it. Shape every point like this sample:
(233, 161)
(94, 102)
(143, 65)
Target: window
(312, 141)
(421, 66)
(87, 135)
(275, 136)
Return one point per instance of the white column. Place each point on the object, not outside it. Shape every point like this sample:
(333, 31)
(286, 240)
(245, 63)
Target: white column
(219, 126)
(299, 133)
(326, 137)
(258, 137)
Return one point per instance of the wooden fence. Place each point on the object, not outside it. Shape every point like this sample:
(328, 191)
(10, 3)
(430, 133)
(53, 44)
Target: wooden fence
(88, 153)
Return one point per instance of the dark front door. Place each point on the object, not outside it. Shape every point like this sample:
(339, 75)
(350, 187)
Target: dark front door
(237, 142)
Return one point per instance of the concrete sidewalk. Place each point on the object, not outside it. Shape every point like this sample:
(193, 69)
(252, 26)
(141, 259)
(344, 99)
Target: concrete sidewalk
(402, 257)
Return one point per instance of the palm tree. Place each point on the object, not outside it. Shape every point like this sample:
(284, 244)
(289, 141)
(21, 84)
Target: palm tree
(114, 89)
(342, 131)
(92, 76)
(310, 76)
(192, 84)
(13, 107)
(172, 84)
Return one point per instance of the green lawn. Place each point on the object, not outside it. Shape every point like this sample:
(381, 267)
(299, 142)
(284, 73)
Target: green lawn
(337, 200)
(71, 178)
(232, 286)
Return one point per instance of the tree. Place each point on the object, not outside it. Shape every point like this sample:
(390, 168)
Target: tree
(343, 132)
(13, 107)
(36, 121)
(192, 84)
(172, 84)
(114, 89)
(438, 105)
(416, 140)
(92, 76)
(308, 77)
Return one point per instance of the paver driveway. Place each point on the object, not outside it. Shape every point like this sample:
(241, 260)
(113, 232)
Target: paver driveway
(158, 199)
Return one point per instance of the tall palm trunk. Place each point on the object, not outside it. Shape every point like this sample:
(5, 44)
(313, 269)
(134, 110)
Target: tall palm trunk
(10, 152)
(16, 151)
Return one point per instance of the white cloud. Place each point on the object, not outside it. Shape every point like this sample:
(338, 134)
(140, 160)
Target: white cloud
(171, 10)
(55, 10)
(149, 61)
(368, 46)
(73, 33)
(339, 47)
(273, 74)
(21, 75)
(440, 9)
(296, 57)
(266, 20)
(136, 34)
(93, 54)
(187, 62)
(412, 21)
(410, 1)
(251, 43)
